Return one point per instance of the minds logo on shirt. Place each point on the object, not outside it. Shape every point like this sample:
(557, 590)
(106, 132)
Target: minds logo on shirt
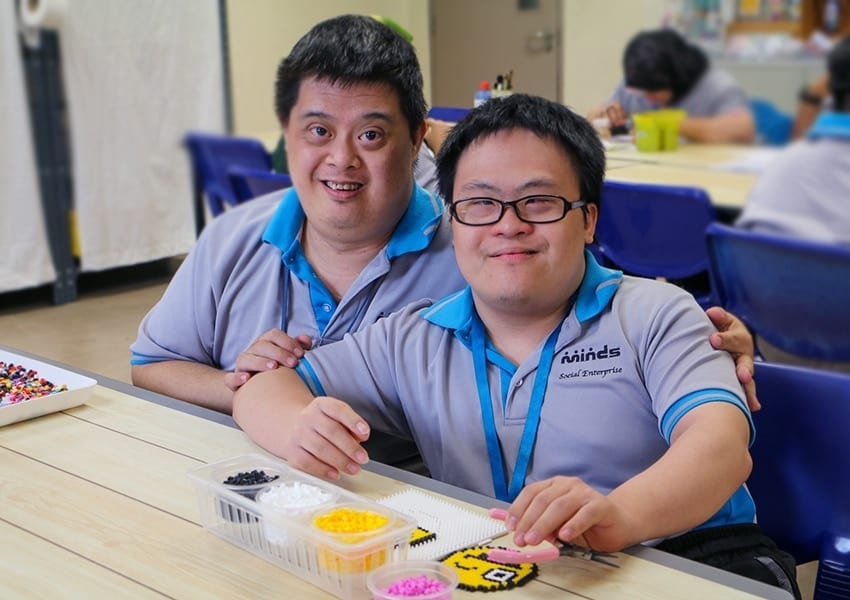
(589, 355)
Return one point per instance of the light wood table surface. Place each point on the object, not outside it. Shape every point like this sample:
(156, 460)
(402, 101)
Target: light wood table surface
(727, 190)
(697, 165)
(95, 503)
(701, 156)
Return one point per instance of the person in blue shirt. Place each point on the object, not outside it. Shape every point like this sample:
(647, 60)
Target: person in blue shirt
(354, 239)
(590, 400)
(805, 191)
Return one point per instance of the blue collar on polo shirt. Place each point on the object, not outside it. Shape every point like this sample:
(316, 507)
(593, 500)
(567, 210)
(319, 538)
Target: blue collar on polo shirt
(412, 234)
(595, 293)
(834, 125)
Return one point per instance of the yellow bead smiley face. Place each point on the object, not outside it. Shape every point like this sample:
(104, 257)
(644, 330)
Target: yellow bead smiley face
(477, 573)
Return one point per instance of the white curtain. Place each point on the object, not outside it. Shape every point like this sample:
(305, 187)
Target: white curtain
(24, 253)
(137, 76)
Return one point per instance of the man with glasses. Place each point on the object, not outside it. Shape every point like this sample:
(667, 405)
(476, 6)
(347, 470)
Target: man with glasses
(591, 400)
(353, 240)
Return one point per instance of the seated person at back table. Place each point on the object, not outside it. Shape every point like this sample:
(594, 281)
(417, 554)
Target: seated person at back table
(354, 239)
(805, 192)
(661, 69)
(591, 400)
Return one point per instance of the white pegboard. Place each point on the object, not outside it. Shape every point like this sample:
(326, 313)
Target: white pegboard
(455, 527)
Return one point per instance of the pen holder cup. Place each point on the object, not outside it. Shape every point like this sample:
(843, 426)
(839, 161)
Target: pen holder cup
(669, 120)
(417, 579)
(647, 132)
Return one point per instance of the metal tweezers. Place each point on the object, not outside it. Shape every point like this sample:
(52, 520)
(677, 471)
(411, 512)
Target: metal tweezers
(556, 550)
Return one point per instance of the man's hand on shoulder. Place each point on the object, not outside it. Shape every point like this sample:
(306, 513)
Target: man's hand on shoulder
(271, 350)
(734, 337)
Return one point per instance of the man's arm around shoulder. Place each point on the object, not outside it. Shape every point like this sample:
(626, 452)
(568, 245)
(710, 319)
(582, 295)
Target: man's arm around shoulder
(321, 436)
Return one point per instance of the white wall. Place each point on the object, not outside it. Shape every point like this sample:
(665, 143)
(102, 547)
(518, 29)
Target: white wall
(262, 32)
(595, 32)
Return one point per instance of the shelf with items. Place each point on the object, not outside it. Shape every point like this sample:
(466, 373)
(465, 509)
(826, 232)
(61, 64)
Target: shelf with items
(800, 18)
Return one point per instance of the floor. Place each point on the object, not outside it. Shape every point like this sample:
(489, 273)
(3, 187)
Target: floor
(95, 331)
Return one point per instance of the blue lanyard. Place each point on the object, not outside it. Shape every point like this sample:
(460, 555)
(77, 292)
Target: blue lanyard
(532, 420)
(353, 325)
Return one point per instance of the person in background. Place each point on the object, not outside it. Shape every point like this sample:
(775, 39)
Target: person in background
(352, 241)
(812, 99)
(590, 400)
(661, 69)
(805, 191)
(425, 170)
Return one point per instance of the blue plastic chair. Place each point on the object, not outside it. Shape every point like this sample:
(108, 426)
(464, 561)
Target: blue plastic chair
(793, 293)
(656, 231)
(801, 469)
(773, 127)
(448, 113)
(211, 155)
(250, 183)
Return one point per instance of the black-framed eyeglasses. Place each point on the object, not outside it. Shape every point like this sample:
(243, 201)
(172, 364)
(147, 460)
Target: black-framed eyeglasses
(537, 208)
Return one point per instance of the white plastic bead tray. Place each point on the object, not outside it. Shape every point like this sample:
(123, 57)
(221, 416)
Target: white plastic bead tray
(79, 390)
(293, 542)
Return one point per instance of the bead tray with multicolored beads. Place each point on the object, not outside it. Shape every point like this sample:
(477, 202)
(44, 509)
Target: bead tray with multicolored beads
(334, 546)
(31, 388)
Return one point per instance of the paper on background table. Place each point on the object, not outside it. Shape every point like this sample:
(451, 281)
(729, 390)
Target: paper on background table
(754, 160)
(454, 526)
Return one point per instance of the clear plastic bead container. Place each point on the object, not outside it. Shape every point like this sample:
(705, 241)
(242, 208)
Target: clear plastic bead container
(297, 539)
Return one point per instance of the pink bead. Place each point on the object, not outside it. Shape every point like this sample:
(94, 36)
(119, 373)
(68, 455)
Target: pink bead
(412, 587)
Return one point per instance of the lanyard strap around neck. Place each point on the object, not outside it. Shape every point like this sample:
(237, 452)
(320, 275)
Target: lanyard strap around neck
(360, 311)
(532, 420)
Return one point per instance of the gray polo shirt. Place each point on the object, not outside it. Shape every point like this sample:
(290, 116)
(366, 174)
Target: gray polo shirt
(805, 191)
(631, 358)
(716, 93)
(247, 274)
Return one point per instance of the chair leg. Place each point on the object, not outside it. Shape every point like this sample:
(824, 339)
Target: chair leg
(833, 579)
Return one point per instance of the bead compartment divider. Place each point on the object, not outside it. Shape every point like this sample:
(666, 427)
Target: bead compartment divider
(308, 552)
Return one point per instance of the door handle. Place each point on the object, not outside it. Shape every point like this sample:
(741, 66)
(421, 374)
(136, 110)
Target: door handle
(540, 41)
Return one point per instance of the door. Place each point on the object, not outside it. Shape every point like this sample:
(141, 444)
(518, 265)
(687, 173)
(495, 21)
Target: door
(476, 40)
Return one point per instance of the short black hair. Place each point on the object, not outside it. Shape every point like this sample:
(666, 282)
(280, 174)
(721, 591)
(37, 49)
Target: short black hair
(661, 59)
(838, 62)
(352, 49)
(544, 118)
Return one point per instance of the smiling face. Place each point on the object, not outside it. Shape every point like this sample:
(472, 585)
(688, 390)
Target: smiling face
(516, 267)
(351, 158)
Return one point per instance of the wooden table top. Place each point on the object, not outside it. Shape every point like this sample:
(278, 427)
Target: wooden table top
(95, 502)
(708, 166)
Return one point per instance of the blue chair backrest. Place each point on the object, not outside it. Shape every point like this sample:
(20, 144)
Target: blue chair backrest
(448, 113)
(250, 183)
(801, 461)
(212, 155)
(793, 293)
(773, 127)
(654, 230)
